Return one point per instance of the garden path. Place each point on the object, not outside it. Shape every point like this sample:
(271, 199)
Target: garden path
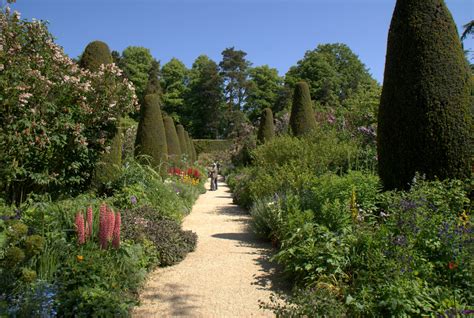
(227, 274)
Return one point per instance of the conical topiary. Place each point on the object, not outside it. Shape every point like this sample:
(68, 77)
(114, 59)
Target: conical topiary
(266, 131)
(182, 139)
(151, 136)
(95, 54)
(172, 140)
(424, 121)
(302, 118)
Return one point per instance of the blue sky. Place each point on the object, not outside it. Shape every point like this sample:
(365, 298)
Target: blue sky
(273, 32)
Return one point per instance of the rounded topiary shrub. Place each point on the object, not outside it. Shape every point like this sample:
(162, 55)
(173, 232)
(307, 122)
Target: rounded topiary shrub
(424, 120)
(95, 54)
(189, 150)
(151, 137)
(266, 129)
(302, 118)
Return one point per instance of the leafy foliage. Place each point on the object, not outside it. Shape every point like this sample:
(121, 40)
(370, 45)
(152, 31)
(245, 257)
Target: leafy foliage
(55, 117)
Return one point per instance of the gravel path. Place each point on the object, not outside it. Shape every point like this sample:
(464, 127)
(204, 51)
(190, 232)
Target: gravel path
(226, 275)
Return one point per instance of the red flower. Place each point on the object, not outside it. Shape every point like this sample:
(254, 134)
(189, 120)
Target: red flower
(110, 223)
(116, 238)
(452, 265)
(80, 228)
(89, 222)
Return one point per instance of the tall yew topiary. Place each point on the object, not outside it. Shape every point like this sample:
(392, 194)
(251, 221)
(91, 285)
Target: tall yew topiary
(424, 121)
(172, 140)
(95, 54)
(182, 139)
(151, 136)
(266, 131)
(302, 118)
(107, 169)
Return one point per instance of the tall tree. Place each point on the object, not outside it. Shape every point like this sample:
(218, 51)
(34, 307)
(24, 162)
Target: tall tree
(234, 70)
(136, 63)
(332, 71)
(424, 123)
(153, 85)
(174, 79)
(263, 90)
(204, 99)
(468, 29)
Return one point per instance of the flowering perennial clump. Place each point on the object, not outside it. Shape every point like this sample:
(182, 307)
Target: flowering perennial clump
(109, 227)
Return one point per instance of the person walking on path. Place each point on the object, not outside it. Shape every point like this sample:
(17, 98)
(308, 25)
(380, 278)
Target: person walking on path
(213, 176)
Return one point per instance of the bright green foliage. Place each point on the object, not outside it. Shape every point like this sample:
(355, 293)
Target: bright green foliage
(136, 63)
(108, 168)
(234, 71)
(302, 118)
(205, 98)
(172, 140)
(264, 90)
(424, 120)
(182, 139)
(333, 73)
(95, 54)
(153, 85)
(266, 130)
(151, 137)
(55, 117)
(174, 76)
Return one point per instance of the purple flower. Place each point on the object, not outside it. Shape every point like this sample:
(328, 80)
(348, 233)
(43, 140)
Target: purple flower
(133, 200)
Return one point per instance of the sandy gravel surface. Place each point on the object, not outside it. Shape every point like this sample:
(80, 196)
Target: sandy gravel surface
(226, 275)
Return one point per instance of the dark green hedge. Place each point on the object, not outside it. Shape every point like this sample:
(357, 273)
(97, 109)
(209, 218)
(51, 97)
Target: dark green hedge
(210, 145)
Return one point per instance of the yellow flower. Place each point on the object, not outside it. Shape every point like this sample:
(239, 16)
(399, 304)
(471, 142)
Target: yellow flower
(80, 258)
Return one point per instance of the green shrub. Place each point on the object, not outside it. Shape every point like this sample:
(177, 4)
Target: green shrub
(107, 169)
(424, 122)
(56, 118)
(171, 242)
(182, 139)
(267, 218)
(172, 140)
(151, 137)
(95, 54)
(302, 118)
(266, 130)
(211, 145)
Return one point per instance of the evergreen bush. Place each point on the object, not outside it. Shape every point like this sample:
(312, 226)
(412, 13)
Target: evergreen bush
(95, 54)
(182, 139)
(424, 120)
(172, 140)
(151, 136)
(266, 130)
(302, 117)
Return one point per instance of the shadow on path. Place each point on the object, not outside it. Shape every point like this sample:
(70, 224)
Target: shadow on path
(182, 303)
